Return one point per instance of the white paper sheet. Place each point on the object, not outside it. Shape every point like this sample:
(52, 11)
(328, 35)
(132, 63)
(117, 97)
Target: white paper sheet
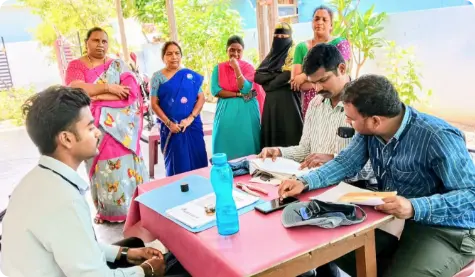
(394, 227)
(272, 181)
(194, 214)
(280, 166)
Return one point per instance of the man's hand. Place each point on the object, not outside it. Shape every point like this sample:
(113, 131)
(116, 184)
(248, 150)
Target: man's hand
(398, 206)
(290, 187)
(158, 265)
(270, 152)
(316, 160)
(137, 256)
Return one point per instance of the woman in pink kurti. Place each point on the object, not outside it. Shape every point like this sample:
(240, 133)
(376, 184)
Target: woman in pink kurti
(117, 109)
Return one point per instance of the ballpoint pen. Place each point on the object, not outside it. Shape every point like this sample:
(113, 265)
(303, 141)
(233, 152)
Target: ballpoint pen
(251, 189)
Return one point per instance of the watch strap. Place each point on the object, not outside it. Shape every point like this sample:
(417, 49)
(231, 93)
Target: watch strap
(123, 254)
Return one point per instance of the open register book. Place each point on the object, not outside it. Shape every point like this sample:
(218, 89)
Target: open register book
(276, 171)
(194, 213)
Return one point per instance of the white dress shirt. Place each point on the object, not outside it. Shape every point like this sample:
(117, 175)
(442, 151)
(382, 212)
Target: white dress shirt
(47, 229)
(319, 135)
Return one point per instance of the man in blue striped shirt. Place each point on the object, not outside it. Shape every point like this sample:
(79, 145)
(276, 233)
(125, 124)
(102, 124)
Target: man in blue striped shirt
(421, 157)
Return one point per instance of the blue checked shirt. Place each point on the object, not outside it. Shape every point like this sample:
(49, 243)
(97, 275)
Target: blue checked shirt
(426, 161)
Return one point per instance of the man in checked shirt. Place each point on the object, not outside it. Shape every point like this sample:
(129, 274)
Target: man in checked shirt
(421, 157)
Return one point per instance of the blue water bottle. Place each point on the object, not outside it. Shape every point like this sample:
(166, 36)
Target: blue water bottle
(222, 180)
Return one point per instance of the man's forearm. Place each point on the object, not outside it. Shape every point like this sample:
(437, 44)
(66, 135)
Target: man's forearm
(349, 162)
(296, 153)
(443, 209)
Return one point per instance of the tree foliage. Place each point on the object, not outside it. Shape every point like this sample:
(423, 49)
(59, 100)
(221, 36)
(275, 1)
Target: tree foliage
(203, 28)
(360, 29)
(67, 17)
(402, 70)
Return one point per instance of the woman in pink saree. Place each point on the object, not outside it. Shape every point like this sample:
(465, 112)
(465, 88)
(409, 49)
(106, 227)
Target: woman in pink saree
(117, 109)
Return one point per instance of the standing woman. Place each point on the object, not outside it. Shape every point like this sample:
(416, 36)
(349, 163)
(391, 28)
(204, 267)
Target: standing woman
(236, 129)
(177, 100)
(322, 25)
(117, 109)
(282, 122)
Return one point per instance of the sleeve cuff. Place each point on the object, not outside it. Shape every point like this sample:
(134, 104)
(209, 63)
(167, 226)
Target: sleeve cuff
(422, 209)
(110, 251)
(283, 152)
(135, 271)
(246, 88)
(310, 181)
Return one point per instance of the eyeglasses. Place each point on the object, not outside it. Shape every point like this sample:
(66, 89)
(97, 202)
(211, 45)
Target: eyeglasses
(314, 211)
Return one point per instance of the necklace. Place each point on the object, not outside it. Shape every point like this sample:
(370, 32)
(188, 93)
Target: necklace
(103, 79)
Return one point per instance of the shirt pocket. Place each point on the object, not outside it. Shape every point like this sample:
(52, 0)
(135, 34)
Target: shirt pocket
(405, 179)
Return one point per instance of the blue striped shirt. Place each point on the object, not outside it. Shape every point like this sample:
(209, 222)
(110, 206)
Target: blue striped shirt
(426, 161)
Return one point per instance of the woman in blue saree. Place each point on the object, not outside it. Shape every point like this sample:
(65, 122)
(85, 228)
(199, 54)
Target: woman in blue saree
(177, 100)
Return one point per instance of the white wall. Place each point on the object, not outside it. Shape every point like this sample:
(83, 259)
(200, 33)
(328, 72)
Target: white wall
(444, 41)
(30, 64)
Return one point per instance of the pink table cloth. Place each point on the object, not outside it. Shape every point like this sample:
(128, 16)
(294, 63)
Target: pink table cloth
(261, 243)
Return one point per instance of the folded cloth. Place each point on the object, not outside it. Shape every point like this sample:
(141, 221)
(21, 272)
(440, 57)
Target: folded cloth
(239, 168)
(321, 214)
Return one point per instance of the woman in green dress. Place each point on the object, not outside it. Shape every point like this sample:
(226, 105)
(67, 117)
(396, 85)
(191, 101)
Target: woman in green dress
(322, 25)
(236, 129)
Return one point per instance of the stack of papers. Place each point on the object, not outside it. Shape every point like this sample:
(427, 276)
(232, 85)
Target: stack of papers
(280, 169)
(194, 214)
(338, 192)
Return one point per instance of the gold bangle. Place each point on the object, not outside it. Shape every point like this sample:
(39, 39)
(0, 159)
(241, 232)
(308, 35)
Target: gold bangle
(239, 77)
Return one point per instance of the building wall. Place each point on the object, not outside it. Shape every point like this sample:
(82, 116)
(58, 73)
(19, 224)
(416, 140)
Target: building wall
(246, 8)
(444, 47)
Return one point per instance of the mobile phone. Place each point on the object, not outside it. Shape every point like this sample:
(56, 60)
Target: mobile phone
(346, 132)
(275, 204)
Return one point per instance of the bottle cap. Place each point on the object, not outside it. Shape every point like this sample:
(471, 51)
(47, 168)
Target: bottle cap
(220, 158)
(184, 187)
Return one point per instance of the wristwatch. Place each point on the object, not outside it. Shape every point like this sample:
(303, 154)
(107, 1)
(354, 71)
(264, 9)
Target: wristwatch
(123, 254)
(306, 185)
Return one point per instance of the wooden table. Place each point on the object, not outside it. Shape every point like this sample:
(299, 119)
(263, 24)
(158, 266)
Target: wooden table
(262, 247)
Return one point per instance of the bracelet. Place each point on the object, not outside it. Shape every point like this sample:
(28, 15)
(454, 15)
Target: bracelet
(168, 123)
(239, 77)
(151, 267)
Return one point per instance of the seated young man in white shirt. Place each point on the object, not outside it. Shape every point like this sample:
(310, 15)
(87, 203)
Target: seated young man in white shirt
(47, 230)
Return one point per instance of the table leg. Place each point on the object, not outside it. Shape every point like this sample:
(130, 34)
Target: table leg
(366, 257)
(152, 152)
